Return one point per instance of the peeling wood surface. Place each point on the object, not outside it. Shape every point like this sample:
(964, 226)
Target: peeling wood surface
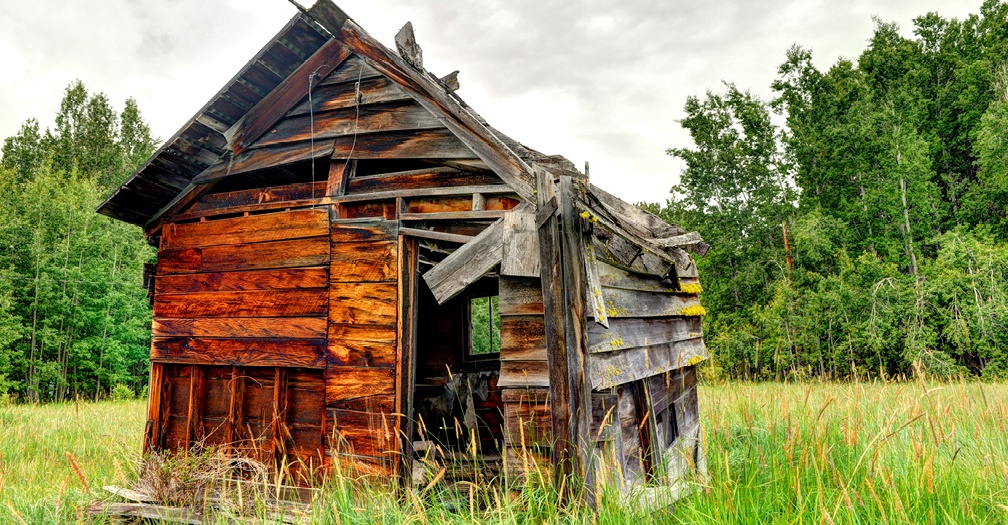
(616, 368)
(520, 255)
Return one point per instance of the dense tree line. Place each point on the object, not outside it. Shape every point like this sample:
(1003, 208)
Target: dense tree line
(868, 235)
(74, 320)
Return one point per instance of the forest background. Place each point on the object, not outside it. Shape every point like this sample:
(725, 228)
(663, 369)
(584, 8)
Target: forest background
(858, 222)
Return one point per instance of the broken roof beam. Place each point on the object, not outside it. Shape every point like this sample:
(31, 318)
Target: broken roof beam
(429, 92)
(470, 262)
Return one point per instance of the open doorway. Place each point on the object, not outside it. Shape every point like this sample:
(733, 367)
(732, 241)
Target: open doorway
(457, 403)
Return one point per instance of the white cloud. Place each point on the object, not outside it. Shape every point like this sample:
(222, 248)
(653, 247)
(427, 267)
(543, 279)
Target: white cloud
(596, 80)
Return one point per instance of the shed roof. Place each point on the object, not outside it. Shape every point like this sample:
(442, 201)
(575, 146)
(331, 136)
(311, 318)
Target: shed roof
(269, 85)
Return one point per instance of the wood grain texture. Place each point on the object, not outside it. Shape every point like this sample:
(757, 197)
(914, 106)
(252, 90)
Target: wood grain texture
(352, 231)
(395, 116)
(294, 224)
(365, 433)
(609, 369)
(242, 327)
(240, 352)
(520, 254)
(630, 303)
(364, 261)
(433, 96)
(329, 97)
(292, 253)
(345, 352)
(523, 338)
(437, 177)
(281, 279)
(519, 374)
(260, 303)
(282, 98)
(221, 202)
(361, 385)
(632, 332)
(520, 296)
(363, 303)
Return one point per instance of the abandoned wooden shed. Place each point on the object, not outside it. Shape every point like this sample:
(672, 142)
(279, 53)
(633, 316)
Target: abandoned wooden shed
(352, 265)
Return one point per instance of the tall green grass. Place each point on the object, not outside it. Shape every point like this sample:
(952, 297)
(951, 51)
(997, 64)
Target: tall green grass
(38, 480)
(816, 453)
(853, 453)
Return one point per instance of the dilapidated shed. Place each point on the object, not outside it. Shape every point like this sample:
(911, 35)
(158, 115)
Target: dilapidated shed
(353, 265)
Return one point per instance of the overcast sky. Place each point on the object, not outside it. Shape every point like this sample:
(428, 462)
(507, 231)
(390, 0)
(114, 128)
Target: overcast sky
(602, 81)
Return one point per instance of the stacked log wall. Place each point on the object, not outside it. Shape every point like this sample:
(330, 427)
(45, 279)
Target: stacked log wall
(239, 335)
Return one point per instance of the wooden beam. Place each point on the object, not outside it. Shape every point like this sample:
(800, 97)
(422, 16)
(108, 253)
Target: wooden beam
(467, 264)
(427, 90)
(520, 257)
(563, 450)
(579, 391)
(407, 351)
(292, 90)
(435, 236)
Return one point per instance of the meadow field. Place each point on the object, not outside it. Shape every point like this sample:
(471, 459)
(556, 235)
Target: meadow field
(912, 452)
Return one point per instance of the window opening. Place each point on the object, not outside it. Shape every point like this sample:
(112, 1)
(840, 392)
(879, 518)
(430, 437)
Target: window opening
(484, 326)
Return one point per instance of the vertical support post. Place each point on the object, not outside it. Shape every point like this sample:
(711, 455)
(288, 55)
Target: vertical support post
(152, 430)
(406, 355)
(574, 282)
(562, 272)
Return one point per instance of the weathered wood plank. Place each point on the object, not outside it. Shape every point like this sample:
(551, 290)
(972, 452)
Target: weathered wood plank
(379, 334)
(265, 157)
(608, 369)
(294, 224)
(238, 327)
(346, 122)
(304, 353)
(527, 425)
(523, 338)
(363, 303)
(595, 302)
(467, 264)
(438, 204)
(280, 279)
(329, 97)
(352, 70)
(276, 254)
(634, 463)
(630, 303)
(406, 350)
(433, 96)
(630, 332)
(565, 455)
(346, 352)
(364, 262)
(291, 90)
(435, 235)
(411, 144)
(518, 374)
(245, 303)
(455, 216)
(220, 202)
(429, 178)
(352, 231)
(520, 296)
(520, 255)
(361, 385)
(612, 277)
(365, 433)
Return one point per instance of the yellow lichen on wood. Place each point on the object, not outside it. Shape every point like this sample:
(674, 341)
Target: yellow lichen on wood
(693, 311)
(691, 288)
(694, 360)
